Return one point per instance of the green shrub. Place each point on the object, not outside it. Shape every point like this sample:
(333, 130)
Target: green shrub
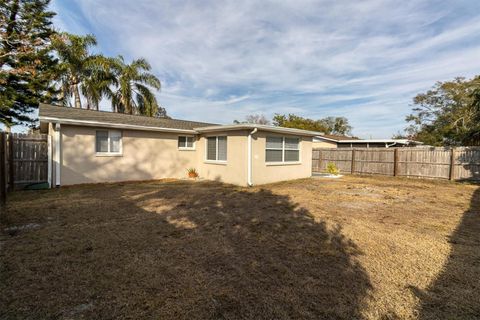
(332, 168)
(192, 172)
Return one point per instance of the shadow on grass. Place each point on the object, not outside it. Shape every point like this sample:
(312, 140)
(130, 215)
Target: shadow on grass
(181, 251)
(455, 294)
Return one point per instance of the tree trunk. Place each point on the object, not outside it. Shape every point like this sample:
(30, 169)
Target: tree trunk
(76, 93)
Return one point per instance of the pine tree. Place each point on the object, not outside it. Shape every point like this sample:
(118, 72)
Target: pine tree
(27, 67)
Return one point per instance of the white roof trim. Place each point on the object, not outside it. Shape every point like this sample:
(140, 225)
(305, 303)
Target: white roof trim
(404, 141)
(257, 126)
(194, 131)
(325, 138)
(112, 125)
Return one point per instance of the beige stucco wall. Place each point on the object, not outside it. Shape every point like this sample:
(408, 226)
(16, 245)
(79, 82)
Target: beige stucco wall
(154, 155)
(235, 169)
(146, 155)
(324, 144)
(265, 173)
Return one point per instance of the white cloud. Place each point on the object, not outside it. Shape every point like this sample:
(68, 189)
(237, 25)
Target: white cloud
(222, 60)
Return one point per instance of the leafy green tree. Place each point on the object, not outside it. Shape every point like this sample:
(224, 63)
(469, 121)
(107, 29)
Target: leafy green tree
(337, 125)
(27, 67)
(134, 84)
(293, 121)
(473, 136)
(161, 113)
(400, 135)
(329, 125)
(254, 118)
(448, 114)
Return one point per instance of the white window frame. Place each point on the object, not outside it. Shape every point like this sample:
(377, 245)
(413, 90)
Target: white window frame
(109, 153)
(186, 138)
(216, 150)
(283, 149)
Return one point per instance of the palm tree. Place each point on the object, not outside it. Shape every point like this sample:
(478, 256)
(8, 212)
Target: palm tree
(132, 93)
(98, 81)
(80, 71)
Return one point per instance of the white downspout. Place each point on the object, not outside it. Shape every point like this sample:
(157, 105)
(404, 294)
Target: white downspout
(249, 156)
(58, 138)
(390, 145)
(49, 155)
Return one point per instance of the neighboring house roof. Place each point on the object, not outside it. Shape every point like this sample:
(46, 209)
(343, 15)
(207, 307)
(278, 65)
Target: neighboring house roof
(346, 139)
(84, 117)
(379, 141)
(388, 141)
(335, 138)
(339, 137)
(77, 116)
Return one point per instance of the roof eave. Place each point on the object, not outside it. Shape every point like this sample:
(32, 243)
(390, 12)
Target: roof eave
(89, 123)
(325, 138)
(380, 141)
(259, 127)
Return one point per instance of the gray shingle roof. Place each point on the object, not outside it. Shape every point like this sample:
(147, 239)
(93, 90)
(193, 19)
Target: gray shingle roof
(59, 112)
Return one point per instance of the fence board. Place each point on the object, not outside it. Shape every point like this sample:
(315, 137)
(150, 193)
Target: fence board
(3, 172)
(441, 163)
(28, 159)
(341, 157)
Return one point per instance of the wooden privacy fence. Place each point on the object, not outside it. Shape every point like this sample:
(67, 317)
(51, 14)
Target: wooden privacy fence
(462, 163)
(24, 159)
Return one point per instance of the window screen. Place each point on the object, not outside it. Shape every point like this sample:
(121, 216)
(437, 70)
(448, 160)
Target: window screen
(217, 148)
(185, 142)
(108, 141)
(212, 148)
(291, 143)
(291, 150)
(291, 155)
(115, 140)
(274, 143)
(102, 141)
(282, 149)
(222, 148)
(274, 156)
(182, 142)
(190, 141)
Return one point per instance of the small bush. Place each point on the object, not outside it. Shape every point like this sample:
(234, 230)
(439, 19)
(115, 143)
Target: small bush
(332, 168)
(192, 172)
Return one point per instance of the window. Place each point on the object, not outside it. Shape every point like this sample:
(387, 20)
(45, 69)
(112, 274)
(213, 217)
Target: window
(282, 149)
(186, 142)
(217, 148)
(108, 142)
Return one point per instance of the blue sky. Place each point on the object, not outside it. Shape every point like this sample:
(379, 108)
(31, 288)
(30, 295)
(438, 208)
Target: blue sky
(221, 60)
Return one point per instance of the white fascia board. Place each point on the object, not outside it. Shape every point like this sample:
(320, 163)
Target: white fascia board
(248, 126)
(325, 138)
(112, 125)
(404, 141)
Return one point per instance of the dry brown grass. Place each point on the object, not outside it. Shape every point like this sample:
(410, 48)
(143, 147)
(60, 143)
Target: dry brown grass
(360, 247)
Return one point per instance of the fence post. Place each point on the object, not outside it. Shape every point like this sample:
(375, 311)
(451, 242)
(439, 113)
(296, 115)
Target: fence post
(3, 172)
(395, 162)
(11, 165)
(451, 175)
(353, 161)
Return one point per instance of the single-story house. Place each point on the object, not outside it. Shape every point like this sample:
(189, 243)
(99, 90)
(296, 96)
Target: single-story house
(89, 146)
(337, 141)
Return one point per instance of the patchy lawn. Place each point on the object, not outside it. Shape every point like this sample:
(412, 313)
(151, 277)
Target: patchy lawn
(359, 247)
